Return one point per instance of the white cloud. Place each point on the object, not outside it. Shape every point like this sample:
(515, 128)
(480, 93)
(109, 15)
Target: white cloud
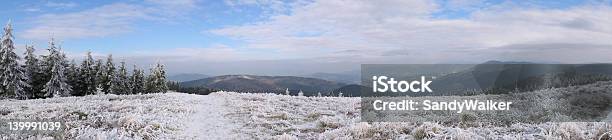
(105, 20)
(31, 9)
(335, 24)
(61, 5)
(175, 3)
(171, 8)
(213, 53)
(405, 30)
(217, 53)
(461, 4)
(268, 6)
(97, 22)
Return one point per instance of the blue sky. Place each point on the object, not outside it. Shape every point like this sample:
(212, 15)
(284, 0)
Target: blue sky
(184, 31)
(299, 37)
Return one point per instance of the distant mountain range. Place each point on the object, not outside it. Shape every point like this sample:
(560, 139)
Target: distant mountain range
(274, 84)
(492, 77)
(186, 77)
(348, 77)
(502, 76)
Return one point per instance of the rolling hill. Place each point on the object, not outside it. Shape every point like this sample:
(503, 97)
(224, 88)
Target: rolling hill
(508, 76)
(186, 77)
(348, 77)
(274, 84)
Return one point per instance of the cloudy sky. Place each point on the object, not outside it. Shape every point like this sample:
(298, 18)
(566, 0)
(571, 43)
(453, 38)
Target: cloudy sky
(274, 37)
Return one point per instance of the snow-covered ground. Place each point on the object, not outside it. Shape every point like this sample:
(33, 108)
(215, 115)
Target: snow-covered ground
(228, 115)
(150, 116)
(270, 116)
(208, 120)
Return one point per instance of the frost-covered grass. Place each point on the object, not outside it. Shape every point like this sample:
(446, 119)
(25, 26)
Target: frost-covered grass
(150, 116)
(271, 116)
(584, 103)
(266, 116)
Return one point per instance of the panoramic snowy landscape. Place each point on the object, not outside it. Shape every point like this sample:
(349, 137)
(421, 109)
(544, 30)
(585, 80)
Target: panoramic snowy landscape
(231, 115)
(297, 69)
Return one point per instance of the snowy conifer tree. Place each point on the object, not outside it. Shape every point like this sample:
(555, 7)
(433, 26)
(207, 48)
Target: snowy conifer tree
(149, 87)
(125, 78)
(108, 74)
(87, 76)
(100, 74)
(119, 85)
(46, 65)
(72, 75)
(300, 93)
(137, 81)
(12, 77)
(161, 80)
(32, 71)
(287, 91)
(57, 85)
(319, 94)
(115, 87)
(94, 73)
(157, 79)
(340, 94)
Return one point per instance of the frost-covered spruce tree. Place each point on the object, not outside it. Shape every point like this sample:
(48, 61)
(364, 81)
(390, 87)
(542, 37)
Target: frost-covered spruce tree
(149, 87)
(112, 88)
(162, 78)
(46, 65)
(115, 87)
(73, 77)
(94, 74)
(137, 81)
(87, 76)
(57, 85)
(65, 62)
(319, 94)
(33, 73)
(300, 93)
(287, 91)
(125, 78)
(108, 74)
(119, 84)
(157, 79)
(100, 74)
(12, 74)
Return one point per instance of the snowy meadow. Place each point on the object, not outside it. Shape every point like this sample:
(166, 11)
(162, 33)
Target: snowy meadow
(150, 116)
(271, 116)
(257, 116)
